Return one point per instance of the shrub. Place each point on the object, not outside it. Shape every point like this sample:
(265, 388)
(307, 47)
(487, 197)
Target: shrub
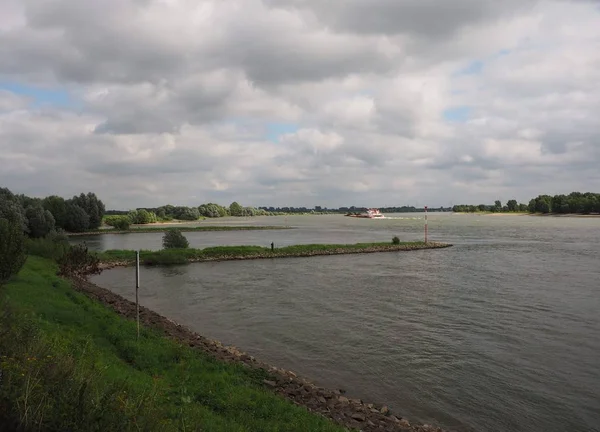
(53, 246)
(395, 240)
(77, 261)
(142, 217)
(174, 239)
(118, 222)
(12, 249)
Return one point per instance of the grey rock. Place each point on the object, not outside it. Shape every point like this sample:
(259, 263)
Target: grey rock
(359, 417)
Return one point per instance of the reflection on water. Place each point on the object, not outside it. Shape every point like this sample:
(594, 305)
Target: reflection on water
(499, 333)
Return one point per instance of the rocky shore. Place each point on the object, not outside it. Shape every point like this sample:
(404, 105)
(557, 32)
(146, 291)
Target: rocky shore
(296, 254)
(334, 404)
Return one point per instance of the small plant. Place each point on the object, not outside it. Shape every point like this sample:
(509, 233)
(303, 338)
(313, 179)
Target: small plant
(174, 239)
(395, 240)
(77, 261)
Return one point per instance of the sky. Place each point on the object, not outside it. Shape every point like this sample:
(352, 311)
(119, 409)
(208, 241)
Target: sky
(300, 102)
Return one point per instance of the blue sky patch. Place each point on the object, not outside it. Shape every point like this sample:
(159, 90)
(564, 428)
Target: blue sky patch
(457, 114)
(41, 96)
(472, 68)
(275, 130)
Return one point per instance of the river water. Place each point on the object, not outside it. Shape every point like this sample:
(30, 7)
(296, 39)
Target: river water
(499, 333)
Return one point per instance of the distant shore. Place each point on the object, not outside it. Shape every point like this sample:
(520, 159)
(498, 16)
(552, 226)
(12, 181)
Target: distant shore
(163, 227)
(123, 258)
(574, 215)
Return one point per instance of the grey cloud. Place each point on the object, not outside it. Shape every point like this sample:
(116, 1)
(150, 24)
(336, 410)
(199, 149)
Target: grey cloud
(428, 18)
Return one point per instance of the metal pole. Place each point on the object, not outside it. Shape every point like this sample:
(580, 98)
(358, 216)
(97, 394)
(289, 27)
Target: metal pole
(137, 288)
(425, 224)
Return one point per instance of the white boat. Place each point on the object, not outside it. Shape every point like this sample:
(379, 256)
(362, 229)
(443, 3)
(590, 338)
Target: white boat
(374, 214)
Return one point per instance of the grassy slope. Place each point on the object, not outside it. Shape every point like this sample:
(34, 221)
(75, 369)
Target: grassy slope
(181, 256)
(189, 390)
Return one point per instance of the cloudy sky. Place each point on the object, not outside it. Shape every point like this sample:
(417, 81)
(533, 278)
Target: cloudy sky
(300, 102)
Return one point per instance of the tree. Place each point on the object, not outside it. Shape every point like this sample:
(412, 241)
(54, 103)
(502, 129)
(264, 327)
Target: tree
(512, 205)
(12, 249)
(142, 217)
(498, 204)
(93, 207)
(174, 239)
(39, 221)
(58, 207)
(77, 219)
(187, 213)
(11, 210)
(235, 209)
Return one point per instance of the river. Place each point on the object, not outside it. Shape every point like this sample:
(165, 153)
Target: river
(499, 333)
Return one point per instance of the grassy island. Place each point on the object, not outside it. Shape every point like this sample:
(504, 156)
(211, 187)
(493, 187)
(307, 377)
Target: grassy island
(224, 253)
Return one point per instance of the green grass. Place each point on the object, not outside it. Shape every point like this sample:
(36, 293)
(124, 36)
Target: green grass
(182, 256)
(69, 363)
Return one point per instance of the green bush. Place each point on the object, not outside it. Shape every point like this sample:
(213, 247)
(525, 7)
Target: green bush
(77, 261)
(395, 240)
(142, 217)
(118, 222)
(174, 239)
(12, 249)
(53, 246)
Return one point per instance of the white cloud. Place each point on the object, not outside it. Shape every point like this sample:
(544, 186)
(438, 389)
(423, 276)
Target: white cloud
(173, 100)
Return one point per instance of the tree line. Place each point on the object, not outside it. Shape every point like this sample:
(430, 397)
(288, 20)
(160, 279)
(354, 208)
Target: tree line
(37, 217)
(574, 203)
(122, 219)
(36, 226)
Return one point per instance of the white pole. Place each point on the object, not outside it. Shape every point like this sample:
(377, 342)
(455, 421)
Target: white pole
(137, 288)
(425, 224)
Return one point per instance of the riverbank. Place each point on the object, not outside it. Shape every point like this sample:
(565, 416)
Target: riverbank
(68, 362)
(166, 227)
(114, 258)
(81, 347)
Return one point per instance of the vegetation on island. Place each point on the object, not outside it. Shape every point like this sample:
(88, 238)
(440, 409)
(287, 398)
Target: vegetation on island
(69, 363)
(574, 203)
(173, 256)
(174, 240)
(169, 213)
